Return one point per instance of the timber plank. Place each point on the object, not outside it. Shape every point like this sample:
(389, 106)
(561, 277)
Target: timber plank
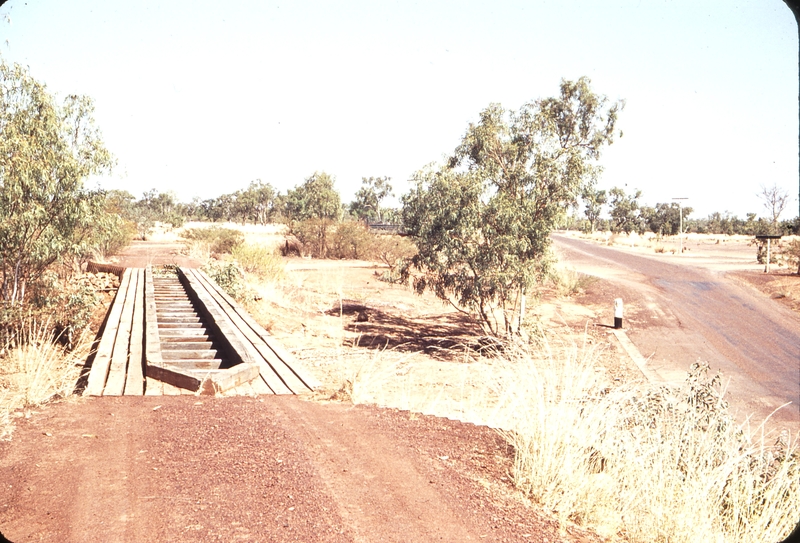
(271, 378)
(174, 378)
(175, 334)
(260, 386)
(219, 381)
(195, 364)
(177, 325)
(153, 387)
(102, 360)
(152, 342)
(205, 354)
(169, 390)
(185, 346)
(134, 384)
(257, 336)
(115, 385)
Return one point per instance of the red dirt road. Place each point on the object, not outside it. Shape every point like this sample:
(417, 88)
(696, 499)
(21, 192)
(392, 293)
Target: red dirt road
(183, 468)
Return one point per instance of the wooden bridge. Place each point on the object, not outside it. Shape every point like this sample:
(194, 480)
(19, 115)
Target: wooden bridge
(180, 333)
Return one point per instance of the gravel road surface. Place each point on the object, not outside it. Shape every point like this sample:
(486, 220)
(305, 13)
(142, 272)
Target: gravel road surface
(682, 313)
(271, 468)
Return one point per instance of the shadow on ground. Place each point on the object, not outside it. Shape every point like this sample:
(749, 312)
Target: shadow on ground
(447, 337)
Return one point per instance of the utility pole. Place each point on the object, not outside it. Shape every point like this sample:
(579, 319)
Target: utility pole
(792, 5)
(680, 227)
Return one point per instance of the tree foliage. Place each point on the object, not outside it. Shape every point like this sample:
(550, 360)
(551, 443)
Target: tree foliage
(313, 208)
(594, 200)
(665, 219)
(47, 150)
(256, 203)
(624, 210)
(482, 222)
(367, 205)
(316, 198)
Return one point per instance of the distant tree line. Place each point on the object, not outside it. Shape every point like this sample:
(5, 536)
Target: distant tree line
(626, 214)
(261, 203)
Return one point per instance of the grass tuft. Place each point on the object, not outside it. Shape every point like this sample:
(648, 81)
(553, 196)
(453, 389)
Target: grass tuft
(570, 283)
(260, 261)
(36, 369)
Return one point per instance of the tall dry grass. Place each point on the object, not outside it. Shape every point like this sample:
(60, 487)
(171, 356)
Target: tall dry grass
(641, 463)
(35, 369)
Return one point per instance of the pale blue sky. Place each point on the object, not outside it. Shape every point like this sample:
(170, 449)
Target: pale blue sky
(203, 97)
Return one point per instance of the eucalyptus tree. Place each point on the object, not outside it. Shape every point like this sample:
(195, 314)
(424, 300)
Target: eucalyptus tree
(373, 191)
(312, 209)
(482, 221)
(665, 218)
(256, 202)
(625, 213)
(316, 198)
(593, 200)
(47, 150)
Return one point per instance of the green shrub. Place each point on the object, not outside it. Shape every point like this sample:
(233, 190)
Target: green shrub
(68, 305)
(791, 253)
(761, 251)
(352, 240)
(219, 239)
(258, 260)
(229, 276)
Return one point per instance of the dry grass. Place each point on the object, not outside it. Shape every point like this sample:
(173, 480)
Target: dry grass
(35, 370)
(639, 463)
(570, 282)
(648, 463)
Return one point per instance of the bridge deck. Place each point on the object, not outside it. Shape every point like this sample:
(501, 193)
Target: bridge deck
(129, 360)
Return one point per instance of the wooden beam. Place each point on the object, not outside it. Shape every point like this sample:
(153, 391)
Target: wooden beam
(221, 381)
(115, 385)
(174, 376)
(102, 360)
(152, 342)
(280, 362)
(134, 384)
(210, 297)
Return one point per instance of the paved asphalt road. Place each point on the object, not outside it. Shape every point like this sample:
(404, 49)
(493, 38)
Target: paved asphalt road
(699, 314)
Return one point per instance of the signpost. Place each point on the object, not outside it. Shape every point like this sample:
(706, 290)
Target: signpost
(769, 239)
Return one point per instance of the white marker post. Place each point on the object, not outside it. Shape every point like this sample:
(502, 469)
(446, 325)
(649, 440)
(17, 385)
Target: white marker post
(618, 313)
